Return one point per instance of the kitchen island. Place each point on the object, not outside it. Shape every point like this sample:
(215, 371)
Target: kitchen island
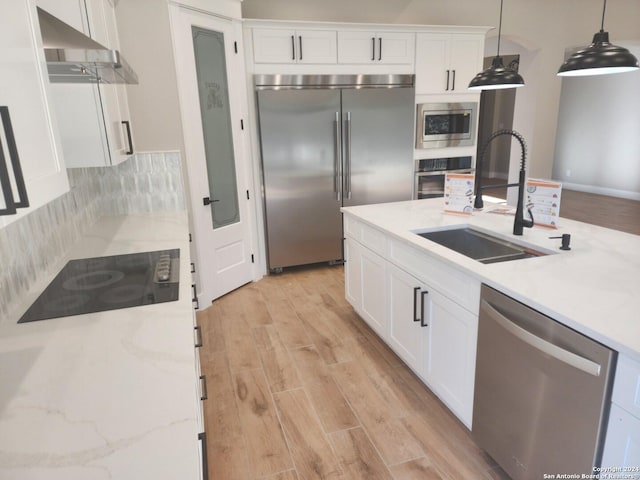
(110, 394)
(423, 299)
(593, 288)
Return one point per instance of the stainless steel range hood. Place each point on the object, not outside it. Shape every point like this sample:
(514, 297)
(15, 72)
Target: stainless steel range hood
(73, 57)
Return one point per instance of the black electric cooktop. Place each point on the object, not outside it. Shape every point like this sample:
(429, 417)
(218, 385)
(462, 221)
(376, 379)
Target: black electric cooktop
(108, 283)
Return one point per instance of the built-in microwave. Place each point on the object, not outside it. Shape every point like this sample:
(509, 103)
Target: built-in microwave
(446, 124)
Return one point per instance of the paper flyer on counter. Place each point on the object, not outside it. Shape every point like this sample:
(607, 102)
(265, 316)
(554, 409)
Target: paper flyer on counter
(543, 197)
(458, 193)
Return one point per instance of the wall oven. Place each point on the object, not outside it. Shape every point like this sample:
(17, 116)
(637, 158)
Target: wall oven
(446, 125)
(430, 172)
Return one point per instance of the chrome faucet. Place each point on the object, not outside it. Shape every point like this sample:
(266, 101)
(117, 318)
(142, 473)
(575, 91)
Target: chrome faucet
(519, 222)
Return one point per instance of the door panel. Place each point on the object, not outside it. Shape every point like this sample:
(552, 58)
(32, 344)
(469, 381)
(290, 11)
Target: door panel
(211, 107)
(298, 138)
(379, 156)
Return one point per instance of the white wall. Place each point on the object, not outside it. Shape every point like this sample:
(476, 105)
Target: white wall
(598, 147)
(537, 30)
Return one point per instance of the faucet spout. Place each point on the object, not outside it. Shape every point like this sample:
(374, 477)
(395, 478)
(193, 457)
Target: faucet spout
(519, 222)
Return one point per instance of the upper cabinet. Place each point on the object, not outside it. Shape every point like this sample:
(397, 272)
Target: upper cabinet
(369, 47)
(281, 45)
(446, 63)
(93, 119)
(28, 134)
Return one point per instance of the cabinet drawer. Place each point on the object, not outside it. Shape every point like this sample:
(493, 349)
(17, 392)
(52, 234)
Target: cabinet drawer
(626, 387)
(368, 236)
(452, 283)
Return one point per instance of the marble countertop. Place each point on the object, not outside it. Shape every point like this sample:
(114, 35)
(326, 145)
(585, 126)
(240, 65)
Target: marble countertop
(108, 395)
(594, 288)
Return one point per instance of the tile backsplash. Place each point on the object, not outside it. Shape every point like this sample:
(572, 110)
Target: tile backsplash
(145, 182)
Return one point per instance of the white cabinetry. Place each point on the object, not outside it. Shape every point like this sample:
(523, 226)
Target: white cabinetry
(426, 311)
(451, 353)
(446, 63)
(365, 47)
(93, 119)
(407, 331)
(622, 443)
(279, 45)
(365, 286)
(24, 90)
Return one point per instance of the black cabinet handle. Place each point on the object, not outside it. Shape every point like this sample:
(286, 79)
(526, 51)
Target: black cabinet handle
(127, 125)
(194, 298)
(205, 458)
(293, 47)
(422, 295)
(10, 202)
(380, 48)
(198, 330)
(203, 379)
(415, 304)
(300, 43)
(373, 48)
(448, 73)
(454, 80)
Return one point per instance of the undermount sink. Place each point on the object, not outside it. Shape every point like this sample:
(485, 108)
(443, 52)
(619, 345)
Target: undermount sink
(479, 245)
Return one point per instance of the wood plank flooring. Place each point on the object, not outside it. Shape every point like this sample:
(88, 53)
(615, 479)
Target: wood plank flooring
(300, 388)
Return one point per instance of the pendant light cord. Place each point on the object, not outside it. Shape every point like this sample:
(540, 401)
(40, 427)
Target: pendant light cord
(604, 8)
(500, 27)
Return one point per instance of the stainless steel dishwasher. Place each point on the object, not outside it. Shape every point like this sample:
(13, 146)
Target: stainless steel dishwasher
(542, 391)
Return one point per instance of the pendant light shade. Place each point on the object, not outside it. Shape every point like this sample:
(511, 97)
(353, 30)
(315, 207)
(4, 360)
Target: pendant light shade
(497, 76)
(599, 58)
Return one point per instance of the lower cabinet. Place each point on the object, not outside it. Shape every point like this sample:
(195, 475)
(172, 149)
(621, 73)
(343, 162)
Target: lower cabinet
(622, 443)
(432, 334)
(365, 285)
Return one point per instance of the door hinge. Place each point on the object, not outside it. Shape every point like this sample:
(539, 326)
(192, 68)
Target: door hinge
(248, 198)
(252, 259)
(235, 47)
(241, 124)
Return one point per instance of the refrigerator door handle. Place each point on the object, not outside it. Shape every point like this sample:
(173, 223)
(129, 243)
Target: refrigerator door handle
(337, 163)
(347, 174)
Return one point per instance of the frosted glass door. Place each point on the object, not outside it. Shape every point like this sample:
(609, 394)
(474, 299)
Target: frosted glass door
(215, 111)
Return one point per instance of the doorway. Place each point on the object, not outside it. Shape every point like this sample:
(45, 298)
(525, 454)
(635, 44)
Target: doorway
(496, 113)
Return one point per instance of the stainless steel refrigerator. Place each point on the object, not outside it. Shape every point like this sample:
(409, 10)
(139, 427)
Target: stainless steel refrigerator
(329, 141)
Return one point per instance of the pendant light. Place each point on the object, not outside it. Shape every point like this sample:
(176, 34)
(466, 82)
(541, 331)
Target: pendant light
(497, 76)
(599, 58)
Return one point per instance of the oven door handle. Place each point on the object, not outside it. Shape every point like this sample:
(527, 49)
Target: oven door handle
(540, 344)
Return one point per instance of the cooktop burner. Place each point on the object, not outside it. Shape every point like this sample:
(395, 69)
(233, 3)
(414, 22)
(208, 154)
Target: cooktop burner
(107, 283)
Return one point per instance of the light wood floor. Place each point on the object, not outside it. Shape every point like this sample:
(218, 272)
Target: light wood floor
(300, 388)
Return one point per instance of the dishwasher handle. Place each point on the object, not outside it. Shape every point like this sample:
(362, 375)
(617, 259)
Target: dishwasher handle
(540, 344)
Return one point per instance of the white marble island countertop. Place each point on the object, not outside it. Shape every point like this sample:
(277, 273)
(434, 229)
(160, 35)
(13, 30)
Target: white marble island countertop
(108, 395)
(593, 288)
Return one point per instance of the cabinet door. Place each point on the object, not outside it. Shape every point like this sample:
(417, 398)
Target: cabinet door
(451, 353)
(316, 46)
(407, 336)
(467, 52)
(622, 443)
(24, 90)
(356, 47)
(352, 273)
(395, 48)
(432, 63)
(365, 285)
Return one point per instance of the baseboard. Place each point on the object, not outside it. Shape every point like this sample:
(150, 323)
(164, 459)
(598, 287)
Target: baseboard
(612, 192)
